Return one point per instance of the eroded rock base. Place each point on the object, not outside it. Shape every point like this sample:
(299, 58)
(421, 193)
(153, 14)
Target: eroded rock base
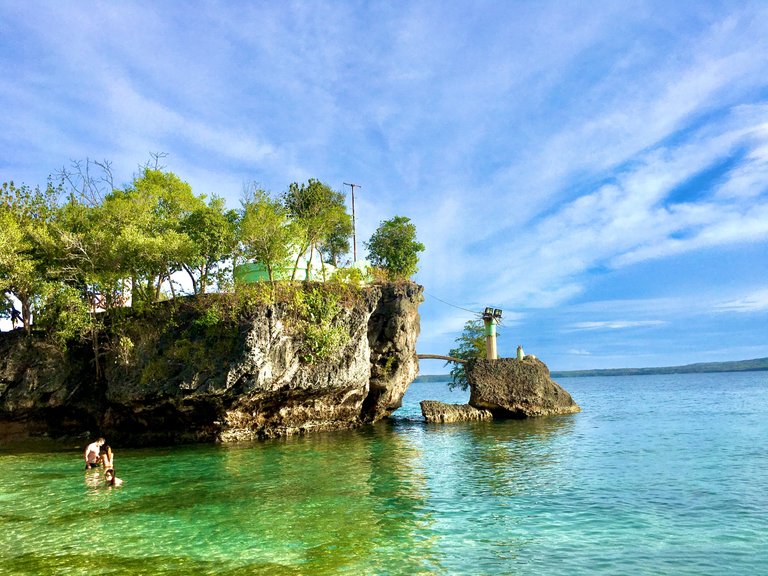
(434, 411)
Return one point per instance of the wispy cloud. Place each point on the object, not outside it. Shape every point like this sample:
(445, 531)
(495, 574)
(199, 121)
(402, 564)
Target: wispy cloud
(579, 352)
(636, 216)
(755, 302)
(616, 324)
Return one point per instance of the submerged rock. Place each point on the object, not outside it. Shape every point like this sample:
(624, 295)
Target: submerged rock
(512, 388)
(434, 411)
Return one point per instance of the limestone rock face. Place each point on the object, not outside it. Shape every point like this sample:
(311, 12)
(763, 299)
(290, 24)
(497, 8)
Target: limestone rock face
(514, 388)
(171, 377)
(40, 388)
(393, 328)
(434, 411)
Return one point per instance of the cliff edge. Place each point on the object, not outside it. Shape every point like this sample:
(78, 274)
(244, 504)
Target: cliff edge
(196, 370)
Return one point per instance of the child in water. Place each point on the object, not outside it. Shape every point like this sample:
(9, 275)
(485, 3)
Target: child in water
(111, 479)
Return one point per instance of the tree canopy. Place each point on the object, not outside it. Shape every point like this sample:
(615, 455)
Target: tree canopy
(394, 248)
(266, 233)
(320, 216)
(83, 245)
(471, 345)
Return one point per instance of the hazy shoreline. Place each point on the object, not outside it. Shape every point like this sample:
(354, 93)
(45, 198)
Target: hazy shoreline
(753, 365)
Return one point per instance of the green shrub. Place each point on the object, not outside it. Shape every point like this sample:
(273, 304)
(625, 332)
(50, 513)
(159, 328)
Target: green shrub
(125, 348)
(322, 341)
(210, 318)
(315, 309)
(353, 276)
(63, 314)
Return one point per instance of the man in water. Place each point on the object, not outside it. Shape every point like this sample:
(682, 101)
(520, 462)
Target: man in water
(92, 454)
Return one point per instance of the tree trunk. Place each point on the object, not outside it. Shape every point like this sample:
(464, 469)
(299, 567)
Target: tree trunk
(170, 283)
(296, 264)
(203, 279)
(309, 262)
(96, 349)
(322, 267)
(26, 313)
(188, 270)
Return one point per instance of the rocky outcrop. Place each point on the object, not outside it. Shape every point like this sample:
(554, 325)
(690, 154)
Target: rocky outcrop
(434, 411)
(511, 388)
(505, 388)
(180, 373)
(393, 328)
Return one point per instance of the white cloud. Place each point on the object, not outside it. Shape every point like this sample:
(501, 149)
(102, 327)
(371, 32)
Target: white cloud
(579, 352)
(755, 302)
(635, 218)
(616, 324)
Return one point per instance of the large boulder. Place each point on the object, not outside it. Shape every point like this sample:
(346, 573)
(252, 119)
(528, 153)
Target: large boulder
(512, 388)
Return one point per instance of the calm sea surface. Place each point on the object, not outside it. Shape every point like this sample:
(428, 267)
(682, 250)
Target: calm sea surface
(657, 475)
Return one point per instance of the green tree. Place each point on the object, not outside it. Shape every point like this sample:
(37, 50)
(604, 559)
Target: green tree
(146, 224)
(211, 229)
(336, 243)
(90, 275)
(65, 316)
(25, 217)
(266, 234)
(164, 246)
(317, 211)
(470, 346)
(394, 248)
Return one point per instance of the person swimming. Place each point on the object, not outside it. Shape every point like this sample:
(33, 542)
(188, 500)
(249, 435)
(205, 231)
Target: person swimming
(111, 479)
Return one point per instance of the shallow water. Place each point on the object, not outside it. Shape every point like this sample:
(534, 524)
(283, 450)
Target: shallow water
(657, 475)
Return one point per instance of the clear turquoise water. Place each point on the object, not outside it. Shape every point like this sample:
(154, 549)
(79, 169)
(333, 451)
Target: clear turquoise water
(657, 475)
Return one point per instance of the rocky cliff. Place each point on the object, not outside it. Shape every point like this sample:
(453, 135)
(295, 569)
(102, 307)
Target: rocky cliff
(185, 372)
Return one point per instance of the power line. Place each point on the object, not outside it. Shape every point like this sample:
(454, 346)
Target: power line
(452, 305)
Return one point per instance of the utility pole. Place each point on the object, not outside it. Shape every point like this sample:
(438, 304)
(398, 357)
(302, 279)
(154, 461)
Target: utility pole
(354, 235)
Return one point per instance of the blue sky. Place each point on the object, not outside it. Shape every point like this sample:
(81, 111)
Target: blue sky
(598, 170)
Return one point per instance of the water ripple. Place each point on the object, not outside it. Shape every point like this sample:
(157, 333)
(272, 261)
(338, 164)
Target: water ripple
(661, 475)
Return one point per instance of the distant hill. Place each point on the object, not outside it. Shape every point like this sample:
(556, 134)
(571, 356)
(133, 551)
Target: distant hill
(735, 366)
(755, 364)
(433, 378)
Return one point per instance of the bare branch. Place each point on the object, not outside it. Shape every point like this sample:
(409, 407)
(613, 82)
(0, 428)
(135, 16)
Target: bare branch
(86, 187)
(154, 161)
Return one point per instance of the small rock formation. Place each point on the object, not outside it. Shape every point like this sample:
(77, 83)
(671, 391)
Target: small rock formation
(512, 388)
(505, 388)
(435, 411)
